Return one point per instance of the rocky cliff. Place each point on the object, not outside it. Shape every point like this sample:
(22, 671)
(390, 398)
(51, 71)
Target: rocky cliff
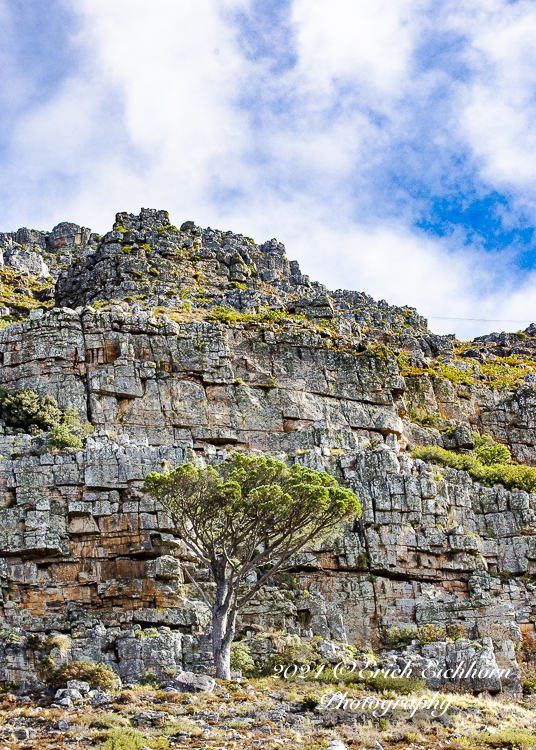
(186, 344)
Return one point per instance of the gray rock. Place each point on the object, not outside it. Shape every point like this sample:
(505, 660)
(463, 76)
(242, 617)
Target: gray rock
(188, 682)
(82, 687)
(71, 693)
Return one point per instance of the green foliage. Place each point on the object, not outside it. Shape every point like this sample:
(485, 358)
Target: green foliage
(424, 418)
(11, 636)
(310, 702)
(529, 684)
(25, 407)
(489, 452)
(456, 631)
(230, 315)
(60, 641)
(400, 685)
(430, 633)
(97, 675)
(517, 739)
(299, 653)
(149, 679)
(279, 506)
(104, 720)
(70, 433)
(148, 633)
(401, 635)
(241, 658)
(131, 739)
(511, 476)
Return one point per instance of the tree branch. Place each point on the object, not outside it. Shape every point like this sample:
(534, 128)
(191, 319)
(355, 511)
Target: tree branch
(198, 587)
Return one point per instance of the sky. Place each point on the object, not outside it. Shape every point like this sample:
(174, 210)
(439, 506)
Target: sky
(391, 146)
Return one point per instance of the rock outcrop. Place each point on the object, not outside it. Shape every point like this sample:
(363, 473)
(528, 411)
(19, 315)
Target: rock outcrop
(186, 344)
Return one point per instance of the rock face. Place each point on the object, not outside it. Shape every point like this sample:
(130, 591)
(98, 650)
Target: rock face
(182, 345)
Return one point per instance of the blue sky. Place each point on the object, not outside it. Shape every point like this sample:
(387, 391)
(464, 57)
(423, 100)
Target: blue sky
(390, 146)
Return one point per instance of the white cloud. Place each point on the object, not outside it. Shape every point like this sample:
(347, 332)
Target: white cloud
(500, 102)
(153, 117)
(370, 41)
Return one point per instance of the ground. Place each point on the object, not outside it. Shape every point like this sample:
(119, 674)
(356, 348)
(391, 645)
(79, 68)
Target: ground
(265, 713)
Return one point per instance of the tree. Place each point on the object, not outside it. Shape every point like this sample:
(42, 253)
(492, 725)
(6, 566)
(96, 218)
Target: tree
(251, 514)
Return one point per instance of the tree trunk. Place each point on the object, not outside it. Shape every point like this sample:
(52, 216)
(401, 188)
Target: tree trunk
(223, 631)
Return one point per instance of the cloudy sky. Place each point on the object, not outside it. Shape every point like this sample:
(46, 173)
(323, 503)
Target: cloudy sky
(391, 145)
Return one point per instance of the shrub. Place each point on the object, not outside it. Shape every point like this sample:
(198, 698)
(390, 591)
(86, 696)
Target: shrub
(60, 641)
(25, 407)
(511, 476)
(131, 739)
(400, 635)
(70, 433)
(456, 631)
(11, 635)
(103, 721)
(241, 657)
(97, 675)
(400, 685)
(149, 680)
(429, 633)
(299, 653)
(529, 683)
(420, 416)
(521, 739)
(310, 702)
(489, 452)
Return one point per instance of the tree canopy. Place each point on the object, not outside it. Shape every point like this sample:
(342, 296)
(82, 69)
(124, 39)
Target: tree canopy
(249, 514)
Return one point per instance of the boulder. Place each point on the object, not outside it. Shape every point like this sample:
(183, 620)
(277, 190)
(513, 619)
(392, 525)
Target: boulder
(189, 682)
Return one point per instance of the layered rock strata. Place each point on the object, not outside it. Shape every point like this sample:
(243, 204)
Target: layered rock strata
(142, 343)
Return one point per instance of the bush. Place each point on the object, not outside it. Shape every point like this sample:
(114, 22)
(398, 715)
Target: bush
(511, 476)
(379, 683)
(310, 702)
(60, 641)
(300, 654)
(70, 433)
(529, 684)
(426, 419)
(400, 635)
(241, 657)
(489, 452)
(25, 407)
(149, 680)
(521, 739)
(429, 633)
(456, 632)
(97, 675)
(11, 635)
(103, 721)
(132, 739)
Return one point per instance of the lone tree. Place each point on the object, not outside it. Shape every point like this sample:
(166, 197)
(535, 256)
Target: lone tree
(251, 514)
